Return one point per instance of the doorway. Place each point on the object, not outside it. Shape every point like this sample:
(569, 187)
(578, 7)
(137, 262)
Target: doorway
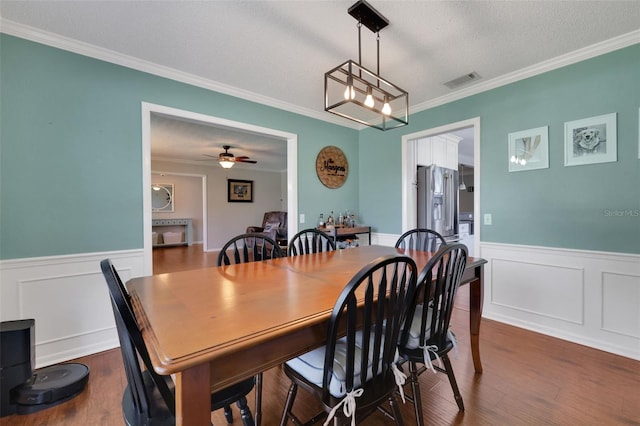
(292, 166)
(409, 178)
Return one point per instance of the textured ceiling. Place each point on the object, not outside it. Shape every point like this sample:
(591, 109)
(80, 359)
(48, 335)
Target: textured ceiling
(279, 50)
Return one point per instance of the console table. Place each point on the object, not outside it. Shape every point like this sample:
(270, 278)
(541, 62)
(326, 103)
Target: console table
(183, 225)
(343, 232)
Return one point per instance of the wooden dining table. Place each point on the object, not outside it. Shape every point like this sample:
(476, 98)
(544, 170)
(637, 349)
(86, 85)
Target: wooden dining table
(213, 327)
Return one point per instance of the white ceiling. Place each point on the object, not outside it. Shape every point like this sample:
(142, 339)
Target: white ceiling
(277, 51)
(193, 142)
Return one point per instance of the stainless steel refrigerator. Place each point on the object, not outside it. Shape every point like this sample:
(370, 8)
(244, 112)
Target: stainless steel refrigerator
(438, 200)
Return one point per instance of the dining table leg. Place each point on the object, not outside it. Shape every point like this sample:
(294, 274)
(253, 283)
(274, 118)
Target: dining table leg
(476, 296)
(193, 396)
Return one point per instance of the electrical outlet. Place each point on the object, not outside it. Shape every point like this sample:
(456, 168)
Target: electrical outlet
(302, 218)
(487, 219)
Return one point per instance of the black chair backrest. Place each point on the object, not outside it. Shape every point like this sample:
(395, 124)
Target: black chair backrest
(421, 239)
(374, 301)
(249, 248)
(437, 286)
(310, 241)
(132, 346)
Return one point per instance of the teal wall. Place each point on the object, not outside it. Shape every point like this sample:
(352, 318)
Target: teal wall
(71, 152)
(71, 159)
(570, 207)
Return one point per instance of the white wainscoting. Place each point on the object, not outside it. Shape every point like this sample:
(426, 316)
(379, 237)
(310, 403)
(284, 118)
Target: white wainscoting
(590, 298)
(380, 239)
(68, 298)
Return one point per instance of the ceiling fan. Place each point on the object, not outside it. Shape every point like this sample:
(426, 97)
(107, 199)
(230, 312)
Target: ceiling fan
(227, 159)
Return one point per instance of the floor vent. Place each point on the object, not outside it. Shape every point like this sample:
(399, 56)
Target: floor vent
(460, 81)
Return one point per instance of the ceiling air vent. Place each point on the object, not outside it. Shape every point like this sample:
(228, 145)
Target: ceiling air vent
(460, 81)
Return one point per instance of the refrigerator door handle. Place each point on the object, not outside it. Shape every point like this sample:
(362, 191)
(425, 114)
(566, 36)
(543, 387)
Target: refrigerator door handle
(448, 207)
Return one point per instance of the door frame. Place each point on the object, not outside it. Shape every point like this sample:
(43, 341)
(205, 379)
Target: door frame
(292, 167)
(410, 164)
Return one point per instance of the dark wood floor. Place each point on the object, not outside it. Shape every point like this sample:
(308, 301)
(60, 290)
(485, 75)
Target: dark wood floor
(528, 379)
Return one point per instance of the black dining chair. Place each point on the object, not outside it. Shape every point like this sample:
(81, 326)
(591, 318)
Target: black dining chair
(310, 241)
(250, 247)
(356, 369)
(421, 239)
(427, 338)
(149, 398)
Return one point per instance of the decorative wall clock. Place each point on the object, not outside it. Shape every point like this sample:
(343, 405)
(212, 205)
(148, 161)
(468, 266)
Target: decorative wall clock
(332, 167)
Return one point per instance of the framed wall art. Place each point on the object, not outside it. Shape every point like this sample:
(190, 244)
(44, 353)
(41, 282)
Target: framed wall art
(239, 191)
(529, 149)
(590, 140)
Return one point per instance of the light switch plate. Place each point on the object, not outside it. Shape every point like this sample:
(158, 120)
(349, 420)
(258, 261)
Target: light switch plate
(302, 218)
(487, 219)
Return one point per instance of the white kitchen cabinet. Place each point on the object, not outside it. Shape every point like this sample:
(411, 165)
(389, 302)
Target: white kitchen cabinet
(441, 150)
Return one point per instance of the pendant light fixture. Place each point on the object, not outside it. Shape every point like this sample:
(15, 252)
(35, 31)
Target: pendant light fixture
(356, 93)
(462, 186)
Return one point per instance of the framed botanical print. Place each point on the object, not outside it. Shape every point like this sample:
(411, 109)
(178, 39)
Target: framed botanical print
(529, 149)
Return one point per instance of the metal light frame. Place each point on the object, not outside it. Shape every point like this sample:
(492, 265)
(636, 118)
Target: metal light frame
(347, 86)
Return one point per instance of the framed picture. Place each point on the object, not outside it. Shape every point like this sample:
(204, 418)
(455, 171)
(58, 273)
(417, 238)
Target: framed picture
(239, 191)
(590, 140)
(529, 149)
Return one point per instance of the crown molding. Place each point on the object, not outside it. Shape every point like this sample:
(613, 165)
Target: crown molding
(92, 51)
(86, 49)
(579, 55)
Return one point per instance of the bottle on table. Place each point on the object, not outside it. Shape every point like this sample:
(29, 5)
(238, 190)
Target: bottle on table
(321, 221)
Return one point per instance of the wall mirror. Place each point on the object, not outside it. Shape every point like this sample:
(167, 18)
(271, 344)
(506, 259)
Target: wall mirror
(162, 197)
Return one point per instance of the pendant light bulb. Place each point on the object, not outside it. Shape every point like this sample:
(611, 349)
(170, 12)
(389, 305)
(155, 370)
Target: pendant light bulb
(386, 108)
(368, 101)
(349, 92)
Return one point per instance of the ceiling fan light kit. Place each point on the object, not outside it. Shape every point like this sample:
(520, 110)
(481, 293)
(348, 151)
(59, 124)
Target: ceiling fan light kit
(227, 159)
(226, 164)
(356, 93)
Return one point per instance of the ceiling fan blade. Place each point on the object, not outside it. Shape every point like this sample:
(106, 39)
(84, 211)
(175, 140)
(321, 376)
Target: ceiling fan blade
(241, 160)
